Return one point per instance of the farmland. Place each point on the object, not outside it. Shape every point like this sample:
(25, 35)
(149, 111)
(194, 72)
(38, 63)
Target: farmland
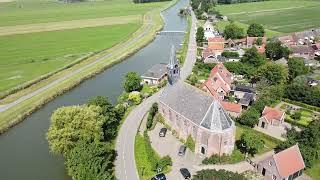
(281, 16)
(40, 37)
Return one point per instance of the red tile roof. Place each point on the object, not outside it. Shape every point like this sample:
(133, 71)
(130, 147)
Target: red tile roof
(223, 72)
(231, 107)
(289, 161)
(271, 114)
(207, 53)
(216, 43)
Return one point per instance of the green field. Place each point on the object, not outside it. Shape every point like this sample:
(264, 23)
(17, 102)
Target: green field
(26, 57)
(279, 15)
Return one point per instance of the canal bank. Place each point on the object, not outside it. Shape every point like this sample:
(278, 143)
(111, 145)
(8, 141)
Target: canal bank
(24, 152)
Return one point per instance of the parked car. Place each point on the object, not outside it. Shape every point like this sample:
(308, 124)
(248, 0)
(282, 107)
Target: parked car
(185, 173)
(163, 132)
(160, 176)
(182, 150)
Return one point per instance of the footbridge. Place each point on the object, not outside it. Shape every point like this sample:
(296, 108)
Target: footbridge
(171, 32)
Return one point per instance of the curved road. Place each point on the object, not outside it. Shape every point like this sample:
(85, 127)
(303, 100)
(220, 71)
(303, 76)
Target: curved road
(146, 30)
(125, 163)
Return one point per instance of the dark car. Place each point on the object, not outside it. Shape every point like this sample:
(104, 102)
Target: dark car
(160, 176)
(185, 173)
(163, 132)
(182, 150)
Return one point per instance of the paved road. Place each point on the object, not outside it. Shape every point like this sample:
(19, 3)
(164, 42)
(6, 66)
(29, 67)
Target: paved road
(146, 30)
(125, 163)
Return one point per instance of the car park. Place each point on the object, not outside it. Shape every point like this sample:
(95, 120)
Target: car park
(160, 176)
(182, 150)
(163, 132)
(185, 173)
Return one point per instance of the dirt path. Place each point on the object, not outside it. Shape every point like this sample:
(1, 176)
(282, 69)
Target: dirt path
(62, 25)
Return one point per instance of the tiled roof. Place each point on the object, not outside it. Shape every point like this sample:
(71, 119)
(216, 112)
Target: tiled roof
(157, 71)
(271, 114)
(301, 49)
(223, 72)
(216, 43)
(207, 53)
(196, 105)
(231, 107)
(289, 161)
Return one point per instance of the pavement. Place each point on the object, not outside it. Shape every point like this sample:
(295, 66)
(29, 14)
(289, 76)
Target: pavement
(79, 70)
(125, 165)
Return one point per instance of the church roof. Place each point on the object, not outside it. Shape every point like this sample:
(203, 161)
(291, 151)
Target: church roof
(197, 106)
(173, 60)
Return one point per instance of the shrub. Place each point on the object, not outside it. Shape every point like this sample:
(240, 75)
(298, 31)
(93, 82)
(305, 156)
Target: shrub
(135, 97)
(296, 115)
(217, 175)
(152, 112)
(164, 162)
(190, 143)
(230, 54)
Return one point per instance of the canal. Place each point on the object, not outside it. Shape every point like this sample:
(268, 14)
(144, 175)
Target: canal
(24, 152)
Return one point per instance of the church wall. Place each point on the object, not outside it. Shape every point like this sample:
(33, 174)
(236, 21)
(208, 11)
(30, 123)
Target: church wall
(210, 141)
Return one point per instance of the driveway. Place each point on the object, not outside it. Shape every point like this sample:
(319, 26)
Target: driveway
(169, 145)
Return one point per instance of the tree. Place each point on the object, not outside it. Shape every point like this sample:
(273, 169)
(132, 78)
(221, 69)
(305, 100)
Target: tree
(190, 143)
(233, 31)
(91, 161)
(250, 117)
(193, 79)
(258, 41)
(252, 57)
(275, 50)
(112, 117)
(296, 68)
(132, 82)
(72, 124)
(135, 98)
(217, 175)
(255, 30)
(273, 73)
(200, 35)
(152, 112)
(251, 143)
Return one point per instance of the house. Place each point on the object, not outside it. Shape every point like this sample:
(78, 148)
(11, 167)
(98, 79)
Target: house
(233, 109)
(213, 50)
(287, 40)
(155, 74)
(192, 112)
(245, 95)
(208, 30)
(271, 116)
(219, 82)
(285, 165)
(248, 42)
(302, 51)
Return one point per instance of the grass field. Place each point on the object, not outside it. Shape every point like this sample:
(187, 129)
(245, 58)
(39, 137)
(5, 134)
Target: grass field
(283, 16)
(70, 32)
(25, 57)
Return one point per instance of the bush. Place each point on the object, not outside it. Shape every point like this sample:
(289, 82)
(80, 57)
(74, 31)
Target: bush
(296, 115)
(217, 175)
(190, 143)
(152, 112)
(164, 162)
(135, 97)
(250, 117)
(235, 157)
(230, 54)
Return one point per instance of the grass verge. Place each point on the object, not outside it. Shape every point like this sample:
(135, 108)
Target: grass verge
(115, 55)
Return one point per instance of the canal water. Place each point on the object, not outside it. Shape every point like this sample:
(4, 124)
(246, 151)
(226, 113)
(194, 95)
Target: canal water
(24, 152)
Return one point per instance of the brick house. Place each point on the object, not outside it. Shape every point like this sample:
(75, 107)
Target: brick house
(219, 82)
(271, 116)
(248, 42)
(285, 165)
(302, 51)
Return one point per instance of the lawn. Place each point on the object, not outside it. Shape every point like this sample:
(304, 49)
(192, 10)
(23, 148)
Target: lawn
(48, 51)
(307, 116)
(269, 142)
(314, 171)
(282, 16)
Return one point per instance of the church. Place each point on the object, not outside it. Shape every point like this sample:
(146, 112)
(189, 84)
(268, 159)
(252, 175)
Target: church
(192, 112)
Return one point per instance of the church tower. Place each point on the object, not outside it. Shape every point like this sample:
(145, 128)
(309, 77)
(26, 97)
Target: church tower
(173, 68)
